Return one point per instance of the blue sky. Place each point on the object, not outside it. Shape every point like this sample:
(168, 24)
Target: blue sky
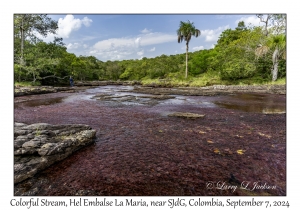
(133, 36)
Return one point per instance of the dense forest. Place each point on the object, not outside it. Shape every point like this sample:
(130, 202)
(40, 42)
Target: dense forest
(246, 53)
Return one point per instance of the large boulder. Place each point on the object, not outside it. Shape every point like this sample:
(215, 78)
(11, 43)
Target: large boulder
(37, 146)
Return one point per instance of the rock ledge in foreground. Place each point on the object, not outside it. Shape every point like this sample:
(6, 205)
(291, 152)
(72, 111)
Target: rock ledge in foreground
(37, 146)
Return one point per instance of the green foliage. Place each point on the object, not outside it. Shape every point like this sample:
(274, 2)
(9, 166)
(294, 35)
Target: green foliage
(186, 31)
(200, 61)
(237, 69)
(235, 54)
(234, 60)
(26, 27)
(282, 69)
(263, 67)
(26, 83)
(274, 49)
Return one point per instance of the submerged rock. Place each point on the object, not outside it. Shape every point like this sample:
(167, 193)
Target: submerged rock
(37, 146)
(186, 115)
(158, 97)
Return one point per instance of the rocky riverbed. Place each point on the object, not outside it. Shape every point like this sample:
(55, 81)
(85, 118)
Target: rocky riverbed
(39, 145)
(144, 148)
(157, 90)
(212, 90)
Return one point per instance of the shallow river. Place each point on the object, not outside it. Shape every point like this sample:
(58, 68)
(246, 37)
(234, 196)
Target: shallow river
(139, 150)
(120, 95)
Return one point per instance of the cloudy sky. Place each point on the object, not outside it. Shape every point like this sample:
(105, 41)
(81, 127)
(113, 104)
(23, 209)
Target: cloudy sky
(122, 37)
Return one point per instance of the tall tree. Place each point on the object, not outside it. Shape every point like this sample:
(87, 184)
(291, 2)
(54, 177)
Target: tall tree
(277, 45)
(27, 26)
(185, 32)
(273, 23)
(43, 59)
(275, 31)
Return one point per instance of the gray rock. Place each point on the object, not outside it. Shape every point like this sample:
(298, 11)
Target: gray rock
(187, 115)
(37, 146)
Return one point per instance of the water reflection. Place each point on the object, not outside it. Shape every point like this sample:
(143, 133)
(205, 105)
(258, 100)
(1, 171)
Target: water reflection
(262, 103)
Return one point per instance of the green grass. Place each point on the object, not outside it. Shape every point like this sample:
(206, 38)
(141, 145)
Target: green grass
(208, 79)
(176, 79)
(281, 81)
(259, 81)
(202, 80)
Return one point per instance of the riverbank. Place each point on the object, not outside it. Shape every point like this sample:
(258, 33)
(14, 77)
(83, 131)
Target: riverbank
(156, 89)
(212, 90)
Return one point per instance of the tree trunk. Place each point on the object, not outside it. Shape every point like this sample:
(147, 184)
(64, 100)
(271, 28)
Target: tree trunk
(275, 64)
(275, 72)
(19, 77)
(186, 60)
(34, 78)
(22, 42)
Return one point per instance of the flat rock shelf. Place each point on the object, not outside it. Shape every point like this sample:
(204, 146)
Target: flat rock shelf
(186, 115)
(39, 145)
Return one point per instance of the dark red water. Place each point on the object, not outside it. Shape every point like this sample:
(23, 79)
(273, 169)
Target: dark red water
(139, 150)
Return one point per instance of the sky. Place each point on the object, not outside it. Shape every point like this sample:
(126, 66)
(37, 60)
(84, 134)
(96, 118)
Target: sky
(134, 36)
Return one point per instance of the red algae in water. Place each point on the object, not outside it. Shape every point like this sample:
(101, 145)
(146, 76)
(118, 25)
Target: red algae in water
(141, 152)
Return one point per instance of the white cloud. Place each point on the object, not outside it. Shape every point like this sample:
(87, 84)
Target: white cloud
(93, 52)
(213, 35)
(137, 41)
(87, 38)
(71, 46)
(86, 21)
(111, 55)
(68, 24)
(157, 38)
(111, 48)
(115, 43)
(253, 20)
(152, 49)
(145, 31)
(198, 48)
(140, 53)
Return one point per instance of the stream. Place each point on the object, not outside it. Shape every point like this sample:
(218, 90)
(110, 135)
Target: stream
(140, 150)
(122, 95)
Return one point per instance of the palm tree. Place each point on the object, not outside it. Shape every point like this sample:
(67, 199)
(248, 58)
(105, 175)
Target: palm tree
(277, 44)
(185, 32)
